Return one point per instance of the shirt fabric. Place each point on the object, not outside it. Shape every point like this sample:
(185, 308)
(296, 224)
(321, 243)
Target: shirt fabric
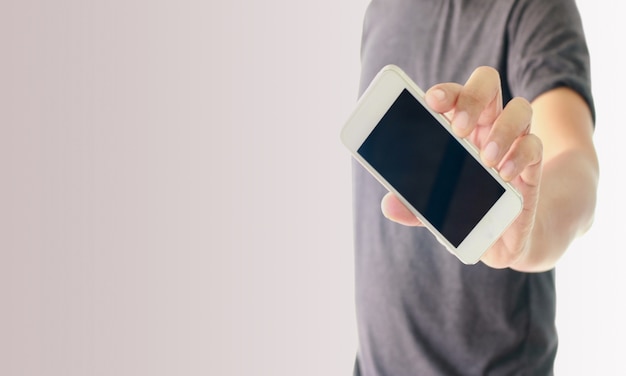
(420, 311)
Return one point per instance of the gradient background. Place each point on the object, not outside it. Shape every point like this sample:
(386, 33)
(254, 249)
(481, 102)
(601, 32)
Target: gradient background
(174, 199)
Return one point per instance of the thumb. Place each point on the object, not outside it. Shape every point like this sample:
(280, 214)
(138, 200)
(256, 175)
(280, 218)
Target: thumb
(394, 210)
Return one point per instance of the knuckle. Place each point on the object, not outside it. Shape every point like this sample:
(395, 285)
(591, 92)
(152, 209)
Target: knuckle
(522, 104)
(538, 144)
(488, 71)
(534, 148)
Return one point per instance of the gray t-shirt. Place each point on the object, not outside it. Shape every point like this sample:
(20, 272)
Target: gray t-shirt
(420, 311)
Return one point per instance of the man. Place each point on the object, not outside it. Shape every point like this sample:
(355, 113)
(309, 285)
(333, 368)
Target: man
(526, 103)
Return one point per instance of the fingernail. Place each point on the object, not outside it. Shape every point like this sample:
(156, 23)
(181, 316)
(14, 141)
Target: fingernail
(507, 170)
(439, 94)
(460, 122)
(490, 153)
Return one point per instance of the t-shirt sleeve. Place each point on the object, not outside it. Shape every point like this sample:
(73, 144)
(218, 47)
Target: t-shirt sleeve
(548, 49)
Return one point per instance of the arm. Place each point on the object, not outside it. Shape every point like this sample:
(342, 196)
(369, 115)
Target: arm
(567, 198)
(545, 149)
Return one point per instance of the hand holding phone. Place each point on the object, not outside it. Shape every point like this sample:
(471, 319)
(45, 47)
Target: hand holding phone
(438, 176)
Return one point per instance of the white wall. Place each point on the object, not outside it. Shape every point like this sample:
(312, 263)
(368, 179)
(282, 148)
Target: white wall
(175, 200)
(591, 279)
(174, 196)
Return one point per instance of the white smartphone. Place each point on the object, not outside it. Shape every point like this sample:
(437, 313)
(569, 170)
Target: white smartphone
(413, 152)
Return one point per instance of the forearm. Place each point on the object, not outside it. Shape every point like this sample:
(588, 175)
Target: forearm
(565, 209)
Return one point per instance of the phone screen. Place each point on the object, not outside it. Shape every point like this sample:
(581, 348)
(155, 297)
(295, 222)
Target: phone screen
(430, 168)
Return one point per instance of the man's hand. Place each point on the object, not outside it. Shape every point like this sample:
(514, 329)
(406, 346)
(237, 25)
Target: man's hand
(503, 137)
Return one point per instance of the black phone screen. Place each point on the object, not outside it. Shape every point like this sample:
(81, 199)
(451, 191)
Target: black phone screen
(430, 168)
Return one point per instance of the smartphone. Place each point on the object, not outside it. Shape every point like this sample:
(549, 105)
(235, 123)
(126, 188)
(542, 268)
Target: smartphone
(413, 152)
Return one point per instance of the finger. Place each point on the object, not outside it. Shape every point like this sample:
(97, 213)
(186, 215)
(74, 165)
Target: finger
(480, 98)
(395, 210)
(442, 97)
(524, 160)
(513, 122)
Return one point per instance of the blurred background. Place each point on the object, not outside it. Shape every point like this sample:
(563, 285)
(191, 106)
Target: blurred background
(174, 198)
